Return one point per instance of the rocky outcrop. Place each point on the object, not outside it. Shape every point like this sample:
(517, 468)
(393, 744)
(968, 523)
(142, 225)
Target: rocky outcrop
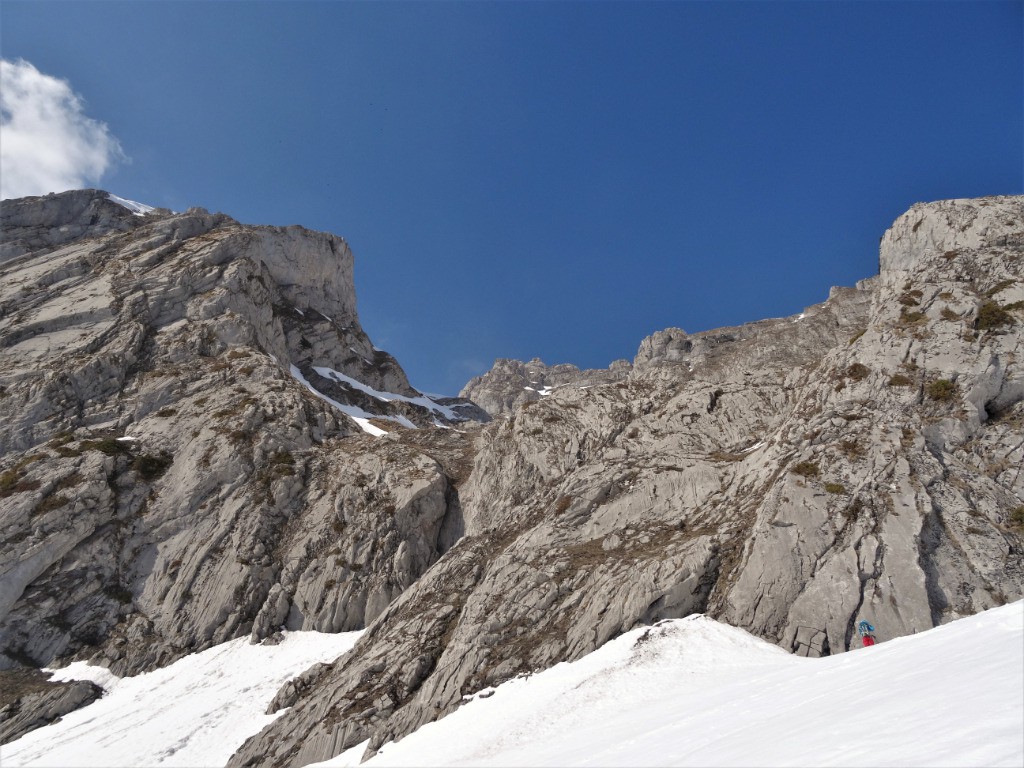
(44, 223)
(944, 228)
(860, 460)
(510, 383)
(184, 403)
(30, 700)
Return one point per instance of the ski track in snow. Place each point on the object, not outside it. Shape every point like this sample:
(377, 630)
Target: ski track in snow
(700, 693)
(195, 712)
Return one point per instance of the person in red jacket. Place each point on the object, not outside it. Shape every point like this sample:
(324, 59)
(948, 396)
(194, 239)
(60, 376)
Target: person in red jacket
(867, 637)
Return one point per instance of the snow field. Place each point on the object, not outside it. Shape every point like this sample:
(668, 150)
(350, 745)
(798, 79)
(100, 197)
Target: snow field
(688, 692)
(699, 693)
(195, 712)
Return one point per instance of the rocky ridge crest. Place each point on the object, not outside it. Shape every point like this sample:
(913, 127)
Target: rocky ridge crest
(510, 383)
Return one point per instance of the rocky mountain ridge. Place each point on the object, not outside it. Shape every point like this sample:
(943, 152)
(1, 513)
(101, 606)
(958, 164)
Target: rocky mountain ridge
(173, 385)
(861, 460)
(511, 383)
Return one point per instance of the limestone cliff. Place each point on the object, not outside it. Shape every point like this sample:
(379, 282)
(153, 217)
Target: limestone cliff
(183, 457)
(860, 460)
(174, 475)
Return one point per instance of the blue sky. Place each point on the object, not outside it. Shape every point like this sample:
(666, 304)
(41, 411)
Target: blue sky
(552, 179)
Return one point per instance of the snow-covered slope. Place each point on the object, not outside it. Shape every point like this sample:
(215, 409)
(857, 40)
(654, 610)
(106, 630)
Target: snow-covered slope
(685, 692)
(696, 692)
(195, 712)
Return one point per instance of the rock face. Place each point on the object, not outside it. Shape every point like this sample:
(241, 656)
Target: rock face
(510, 383)
(38, 223)
(29, 700)
(173, 472)
(791, 476)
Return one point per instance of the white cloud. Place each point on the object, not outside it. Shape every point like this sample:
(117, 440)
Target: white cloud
(47, 144)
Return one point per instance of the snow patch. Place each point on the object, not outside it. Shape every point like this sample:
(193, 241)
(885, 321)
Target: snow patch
(195, 712)
(358, 415)
(83, 670)
(422, 401)
(543, 391)
(138, 209)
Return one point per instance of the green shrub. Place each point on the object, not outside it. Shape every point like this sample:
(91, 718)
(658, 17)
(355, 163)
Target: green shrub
(8, 480)
(805, 469)
(62, 439)
(835, 488)
(910, 298)
(107, 445)
(853, 511)
(70, 481)
(991, 316)
(911, 317)
(54, 501)
(151, 467)
(858, 371)
(281, 464)
(1002, 285)
(852, 448)
(900, 380)
(1017, 517)
(942, 390)
(11, 482)
(117, 592)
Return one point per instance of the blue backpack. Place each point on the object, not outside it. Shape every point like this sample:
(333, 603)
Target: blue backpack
(865, 628)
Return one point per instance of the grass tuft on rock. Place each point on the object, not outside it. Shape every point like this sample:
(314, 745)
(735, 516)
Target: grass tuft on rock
(942, 390)
(806, 469)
